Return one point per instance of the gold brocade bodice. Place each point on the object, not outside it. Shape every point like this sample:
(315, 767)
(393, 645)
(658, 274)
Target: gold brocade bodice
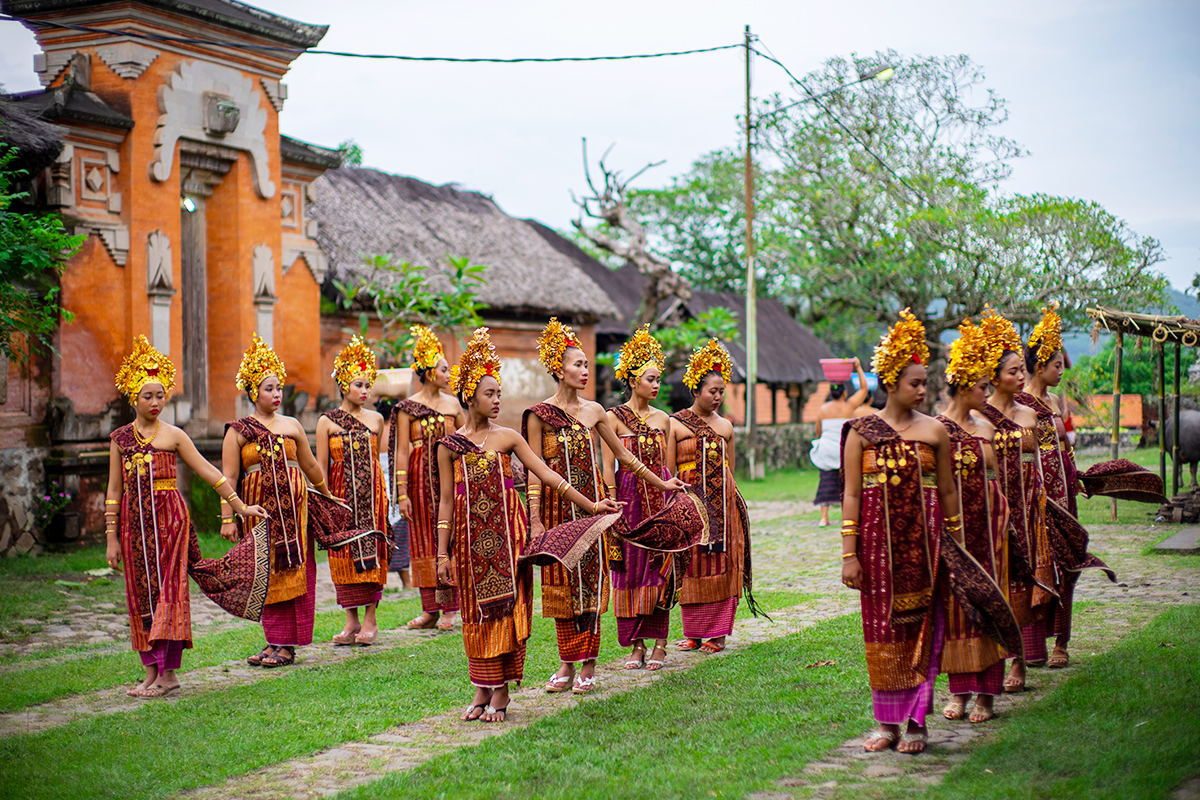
(878, 461)
(251, 452)
(432, 427)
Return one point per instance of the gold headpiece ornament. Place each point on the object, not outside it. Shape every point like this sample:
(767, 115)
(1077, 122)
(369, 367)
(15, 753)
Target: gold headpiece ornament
(972, 356)
(427, 350)
(479, 359)
(710, 358)
(355, 361)
(1048, 334)
(1000, 333)
(259, 363)
(903, 344)
(553, 342)
(144, 365)
(639, 353)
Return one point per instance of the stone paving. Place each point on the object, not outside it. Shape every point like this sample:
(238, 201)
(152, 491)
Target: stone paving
(790, 554)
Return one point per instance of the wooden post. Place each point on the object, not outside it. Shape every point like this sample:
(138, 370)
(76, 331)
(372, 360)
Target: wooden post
(1161, 347)
(1175, 472)
(1116, 421)
(751, 289)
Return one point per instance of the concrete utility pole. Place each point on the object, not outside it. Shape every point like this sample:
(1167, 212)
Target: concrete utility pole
(751, 289)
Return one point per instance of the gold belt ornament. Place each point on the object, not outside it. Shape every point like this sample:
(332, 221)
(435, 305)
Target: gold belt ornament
(164, 484)
(250, 470)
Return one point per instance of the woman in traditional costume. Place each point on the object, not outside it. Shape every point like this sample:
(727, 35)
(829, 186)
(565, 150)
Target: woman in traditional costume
(348, 452)
(149, 529)
(490, 531)
(973, 661)
(1045, 361)
(899, 476)
(826, 451)
(700, 450)
(564, 430)
(268, 456)
(645, 583)
(1019, 471)
(416, 423)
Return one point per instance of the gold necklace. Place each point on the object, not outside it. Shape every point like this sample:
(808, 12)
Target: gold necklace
(144, 441)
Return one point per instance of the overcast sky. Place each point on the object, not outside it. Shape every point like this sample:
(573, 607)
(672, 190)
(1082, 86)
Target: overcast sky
(1105, 95)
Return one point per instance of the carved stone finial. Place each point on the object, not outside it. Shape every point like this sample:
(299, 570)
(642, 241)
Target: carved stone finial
(158, 264)
(263, 272)
(127, 59)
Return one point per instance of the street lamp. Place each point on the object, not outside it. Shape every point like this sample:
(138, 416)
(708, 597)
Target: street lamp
(881, 73)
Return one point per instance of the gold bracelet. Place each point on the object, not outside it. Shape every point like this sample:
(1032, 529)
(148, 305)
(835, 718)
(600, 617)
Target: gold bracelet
(401, 472)
(595, 507)
(847, 556)
(217, 485)
(112, 502)
(561, 489)
(442, 558)
(112, 513)
(227, 520)
(401, 497)
(443, 523)
(319, 484)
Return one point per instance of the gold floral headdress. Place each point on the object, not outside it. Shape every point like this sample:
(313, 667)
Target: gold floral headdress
(553, 342)
(972, 356)
(639, 353)
(144, 365)
(259, 363)
(427, 350)
(355, 361)
(710, 358)
(479, 359)
(903, 344)
(1000, 333)
(1048, 334)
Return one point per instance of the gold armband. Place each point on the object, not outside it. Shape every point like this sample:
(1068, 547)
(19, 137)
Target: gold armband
(217, 485)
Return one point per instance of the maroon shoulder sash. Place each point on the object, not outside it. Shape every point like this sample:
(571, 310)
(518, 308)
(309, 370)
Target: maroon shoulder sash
(277, 496)
(416, 411)
(485, 530)
(898, 462)
(970, 468)
(710, 463)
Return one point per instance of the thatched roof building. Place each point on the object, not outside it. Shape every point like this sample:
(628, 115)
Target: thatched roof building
(788, 352)
(38, 142)
(365, 212)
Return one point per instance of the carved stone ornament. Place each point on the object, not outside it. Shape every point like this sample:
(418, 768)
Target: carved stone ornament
(127, 59)
(263, 272)
(182, 105)
(276, 92)
(158, 264)
(49, 65)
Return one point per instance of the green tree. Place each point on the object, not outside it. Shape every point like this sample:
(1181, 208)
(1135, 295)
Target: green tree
(402, 295)
(34, 248)
(846, 242)
(352, 154)
(1093, 374)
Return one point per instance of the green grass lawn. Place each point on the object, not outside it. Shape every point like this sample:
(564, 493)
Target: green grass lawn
(28, 588)
(1126, 726)
(784, 485)
(727, 727)
(159, 749)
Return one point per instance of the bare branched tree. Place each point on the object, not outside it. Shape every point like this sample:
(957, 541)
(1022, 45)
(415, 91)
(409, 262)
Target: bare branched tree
(622, 234)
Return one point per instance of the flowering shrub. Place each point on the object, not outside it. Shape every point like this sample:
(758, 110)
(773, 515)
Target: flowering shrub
(52, 503)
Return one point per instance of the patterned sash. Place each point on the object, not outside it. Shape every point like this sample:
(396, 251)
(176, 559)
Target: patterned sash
(429, 470)
(649, 446)
(1011, 473)
(237, 582)
(711, 464)
(899, 478)
(276, 492)
(358, 470)
(577, 462)
(970, 470)
(1058, 469)
(716, 483)
(486, 529)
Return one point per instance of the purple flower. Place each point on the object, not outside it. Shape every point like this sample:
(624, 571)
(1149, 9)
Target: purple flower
(47, 498)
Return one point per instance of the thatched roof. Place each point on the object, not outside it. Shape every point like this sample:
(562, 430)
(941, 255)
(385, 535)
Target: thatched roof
(38, 142)
(368, 212)
(788, 352)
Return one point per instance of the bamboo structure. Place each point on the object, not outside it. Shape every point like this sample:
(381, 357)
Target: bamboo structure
(1161, 329)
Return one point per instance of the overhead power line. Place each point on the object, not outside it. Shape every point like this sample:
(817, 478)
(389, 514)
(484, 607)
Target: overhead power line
(345, 54)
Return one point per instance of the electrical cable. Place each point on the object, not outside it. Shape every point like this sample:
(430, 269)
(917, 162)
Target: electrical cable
(344, 54)
(817, 99)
